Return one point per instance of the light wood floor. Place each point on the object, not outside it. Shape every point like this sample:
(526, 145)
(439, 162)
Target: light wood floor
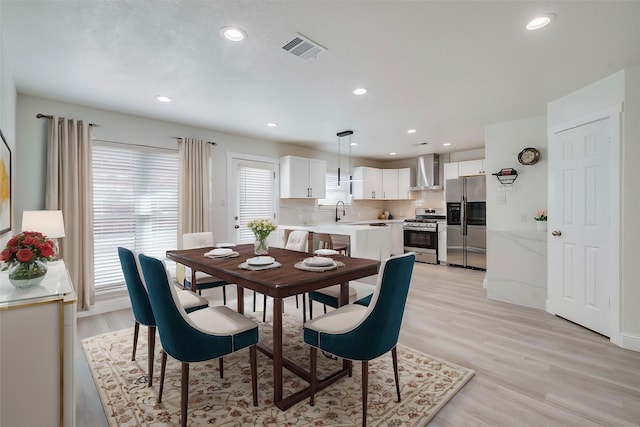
(532, 369)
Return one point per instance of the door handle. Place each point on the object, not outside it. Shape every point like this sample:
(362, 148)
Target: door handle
(556, 233)
(236, 226)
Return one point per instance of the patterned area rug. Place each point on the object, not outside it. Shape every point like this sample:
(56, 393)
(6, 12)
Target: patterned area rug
(426, 385)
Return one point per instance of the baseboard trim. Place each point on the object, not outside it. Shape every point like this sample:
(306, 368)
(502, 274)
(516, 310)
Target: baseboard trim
(630, 341)
(108, 302)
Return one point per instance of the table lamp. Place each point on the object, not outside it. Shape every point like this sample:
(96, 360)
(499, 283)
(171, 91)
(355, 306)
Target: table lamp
(49, 223)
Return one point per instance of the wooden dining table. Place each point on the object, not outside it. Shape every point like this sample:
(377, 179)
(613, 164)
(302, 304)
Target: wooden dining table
(280, 283)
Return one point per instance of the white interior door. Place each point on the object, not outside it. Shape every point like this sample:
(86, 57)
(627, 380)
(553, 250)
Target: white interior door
(582, 239)
(252, 195)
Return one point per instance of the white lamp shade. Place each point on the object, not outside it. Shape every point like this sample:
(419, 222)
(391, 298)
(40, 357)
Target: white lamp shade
(49, 223)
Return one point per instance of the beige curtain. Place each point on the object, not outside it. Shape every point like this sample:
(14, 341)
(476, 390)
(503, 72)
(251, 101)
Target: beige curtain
(70, 189)
(193, 187)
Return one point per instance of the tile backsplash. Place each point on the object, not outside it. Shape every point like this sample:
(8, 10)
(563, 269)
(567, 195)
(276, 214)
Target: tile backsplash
(306, 211)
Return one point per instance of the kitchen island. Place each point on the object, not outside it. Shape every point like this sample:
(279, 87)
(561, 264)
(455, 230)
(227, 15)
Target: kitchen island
(365, 241)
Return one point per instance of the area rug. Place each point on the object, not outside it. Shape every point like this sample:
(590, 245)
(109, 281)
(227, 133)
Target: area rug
(426, 385)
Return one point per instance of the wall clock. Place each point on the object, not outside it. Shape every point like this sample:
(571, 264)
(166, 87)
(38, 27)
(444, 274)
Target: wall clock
(529, 156)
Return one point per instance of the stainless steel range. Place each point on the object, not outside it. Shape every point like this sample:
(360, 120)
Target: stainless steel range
(421, 235)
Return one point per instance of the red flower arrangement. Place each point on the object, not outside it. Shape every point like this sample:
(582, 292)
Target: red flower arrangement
(28, 247)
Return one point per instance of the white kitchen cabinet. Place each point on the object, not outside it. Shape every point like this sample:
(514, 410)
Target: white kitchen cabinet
(385, 184)
(302, 178)
(450, 171)
(471, 167)
(389, 184)
(397, 238)
(442, 242)
(404, 183)
(367, 183)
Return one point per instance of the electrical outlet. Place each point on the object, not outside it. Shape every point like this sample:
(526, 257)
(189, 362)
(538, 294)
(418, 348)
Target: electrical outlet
(523, 218)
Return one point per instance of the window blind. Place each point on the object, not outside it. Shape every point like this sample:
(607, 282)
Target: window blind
(256, 198)
(135, 205)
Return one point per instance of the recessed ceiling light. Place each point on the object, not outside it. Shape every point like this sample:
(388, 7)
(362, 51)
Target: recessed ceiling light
(411, 131)
(360, 91)
(540, 21)
(392, 154)
(234, 34)
(446, 144)
(163, 98)
(272, 124)
(353, 144)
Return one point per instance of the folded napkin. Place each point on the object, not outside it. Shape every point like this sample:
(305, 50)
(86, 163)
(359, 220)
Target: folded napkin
(245, 266)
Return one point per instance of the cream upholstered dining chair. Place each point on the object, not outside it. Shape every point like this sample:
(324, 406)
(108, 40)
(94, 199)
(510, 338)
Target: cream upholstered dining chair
(334, 242)
(358, 332)
(202, 280)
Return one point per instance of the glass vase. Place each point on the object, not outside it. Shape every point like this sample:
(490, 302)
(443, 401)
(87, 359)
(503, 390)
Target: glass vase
(27, 274)
(261, 246)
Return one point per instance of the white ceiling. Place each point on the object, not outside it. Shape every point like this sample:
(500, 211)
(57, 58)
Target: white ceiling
(445, 68)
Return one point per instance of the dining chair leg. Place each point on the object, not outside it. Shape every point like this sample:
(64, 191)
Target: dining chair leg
(313, 357)
(254, 374)
(184, 394)
(325, 308)
(221, 367)
(151, 344)
(365, 386)
(394, 356)
(297, 304)
(163, 367)
(254, 301)
(136, 330)
(310, 309)
(224, 295)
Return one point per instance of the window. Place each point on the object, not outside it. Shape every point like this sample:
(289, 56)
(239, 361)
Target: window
(256, 195)
(135, 205)
(335, 193)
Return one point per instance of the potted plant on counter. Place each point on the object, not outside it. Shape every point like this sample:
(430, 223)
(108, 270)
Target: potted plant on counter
(541, 220)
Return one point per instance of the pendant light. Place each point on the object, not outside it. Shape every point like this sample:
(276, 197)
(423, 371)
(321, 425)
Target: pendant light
(341, 135)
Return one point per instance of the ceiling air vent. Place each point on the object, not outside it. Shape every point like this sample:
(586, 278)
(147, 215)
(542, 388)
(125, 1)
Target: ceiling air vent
(302, 47)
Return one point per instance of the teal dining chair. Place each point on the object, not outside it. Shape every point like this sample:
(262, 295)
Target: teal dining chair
(359, 332)
(197, 336)
(142, 312)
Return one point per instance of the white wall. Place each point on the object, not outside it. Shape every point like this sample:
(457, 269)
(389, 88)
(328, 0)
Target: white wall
(630, 208)
(8, 118)
(516, 252)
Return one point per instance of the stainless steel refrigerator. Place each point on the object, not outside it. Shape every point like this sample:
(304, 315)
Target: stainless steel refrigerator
(466, 222)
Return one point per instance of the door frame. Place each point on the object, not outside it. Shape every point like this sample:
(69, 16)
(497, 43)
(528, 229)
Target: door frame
(614, 114)
(231, 156)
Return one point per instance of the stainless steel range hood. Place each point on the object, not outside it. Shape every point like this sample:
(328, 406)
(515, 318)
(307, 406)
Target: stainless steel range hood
(428, 173)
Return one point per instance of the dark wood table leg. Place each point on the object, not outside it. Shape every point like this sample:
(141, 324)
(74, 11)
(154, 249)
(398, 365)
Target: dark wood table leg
(277, 349)
(240, 293)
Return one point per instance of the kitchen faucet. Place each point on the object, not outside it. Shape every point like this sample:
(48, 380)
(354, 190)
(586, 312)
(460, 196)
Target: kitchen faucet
(343, 210)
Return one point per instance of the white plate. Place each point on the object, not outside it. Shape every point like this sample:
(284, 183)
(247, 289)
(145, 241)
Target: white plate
(220, 252)
(324, 252)
(261, 260)
(318, 261)
(225, 245)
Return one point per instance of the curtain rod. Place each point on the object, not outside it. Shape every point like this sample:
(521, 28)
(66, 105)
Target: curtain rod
(208, 142)
(46, 116)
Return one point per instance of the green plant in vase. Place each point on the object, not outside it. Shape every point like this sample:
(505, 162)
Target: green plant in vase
(261, 229)
(25, 256)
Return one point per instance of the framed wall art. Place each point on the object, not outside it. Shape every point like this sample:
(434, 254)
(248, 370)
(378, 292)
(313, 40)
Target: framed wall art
(5, 186)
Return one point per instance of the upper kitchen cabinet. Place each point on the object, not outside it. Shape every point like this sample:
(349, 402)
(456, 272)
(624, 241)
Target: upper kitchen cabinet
(471, 167)
(450, 171)
(367, 183)
(302, 178)
(385, 184)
